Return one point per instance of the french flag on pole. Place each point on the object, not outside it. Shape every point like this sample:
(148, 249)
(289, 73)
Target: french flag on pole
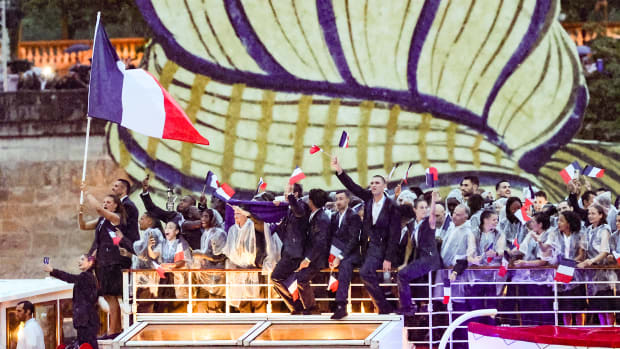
(407, 173)
(211, 182)
(333, 253)
(522, 215)
(566, 270)
(344, 140)
(291, 286)
(160, 270)
(315, 149)
(297, 176)
(592, 171)
(571, 171)
(179, 255)
(262, 185)
(447, 291)
(503, 269)
(225, 191)
(432, 177)
(134, 98)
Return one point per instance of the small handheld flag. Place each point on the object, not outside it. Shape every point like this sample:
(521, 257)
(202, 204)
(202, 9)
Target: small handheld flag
(297, 176)
(515, 243)
(571, 171)
(489, 259)
(211, 183)
(617, 256)
(160, 270)
(503, 269)
(333, 253)
(392, 172)
(179, 255)
(225, 191)
(592, 171)
(522, 215)
(116, 240)
(291, 286)
(344, 140)
(262, 185)
(314, 149)
(447, 291)
(407, 173)
(565, 271)
(432, 177)
(332, 285)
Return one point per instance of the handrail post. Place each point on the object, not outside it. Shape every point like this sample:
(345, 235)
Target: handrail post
(126, 297)
(227, 293)
(556, 305)
(430, 309)
(189, 293)
(269, 310)
(134, 305)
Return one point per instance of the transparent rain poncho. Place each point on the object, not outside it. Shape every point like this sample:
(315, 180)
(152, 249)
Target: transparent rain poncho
(241, 252)
(211, 256)
(453, 248)
(141, 259)
(273, 245)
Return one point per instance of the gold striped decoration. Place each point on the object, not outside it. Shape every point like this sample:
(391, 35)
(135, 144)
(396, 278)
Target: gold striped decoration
(362, 142)
(262, 132)
(230, 133)
(475, 151)
(300, 130)
(328, 134)
(422, 133)
(390, 132)
(451, 144)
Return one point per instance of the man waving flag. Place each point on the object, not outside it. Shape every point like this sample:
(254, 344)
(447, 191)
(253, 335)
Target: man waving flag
(134, 98)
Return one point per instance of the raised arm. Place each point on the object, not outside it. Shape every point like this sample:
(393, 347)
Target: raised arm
(344, 178)
(432, 219)
(90, 225)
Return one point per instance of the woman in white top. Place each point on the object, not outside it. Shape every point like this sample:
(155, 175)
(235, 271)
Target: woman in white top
(597, 236)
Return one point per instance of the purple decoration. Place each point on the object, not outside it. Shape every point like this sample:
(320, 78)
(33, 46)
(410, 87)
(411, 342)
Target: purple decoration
(266, 211)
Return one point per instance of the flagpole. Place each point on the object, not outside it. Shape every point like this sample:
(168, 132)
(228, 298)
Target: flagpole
(88, 119)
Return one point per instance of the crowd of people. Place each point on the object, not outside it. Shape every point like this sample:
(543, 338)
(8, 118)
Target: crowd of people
(404, 233)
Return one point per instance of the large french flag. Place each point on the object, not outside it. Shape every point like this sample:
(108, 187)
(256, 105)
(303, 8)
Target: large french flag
(566, 270)
(134, 98)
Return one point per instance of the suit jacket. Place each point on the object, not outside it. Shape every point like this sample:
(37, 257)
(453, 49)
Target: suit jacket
(426, 246)
(85, 313)
(346, 237)
(131, 230)
(293, 230)
(381, 239)
(316, 248)
(107, 252)
(192, 236)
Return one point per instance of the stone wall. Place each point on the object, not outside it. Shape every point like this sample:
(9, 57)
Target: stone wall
(41, 154)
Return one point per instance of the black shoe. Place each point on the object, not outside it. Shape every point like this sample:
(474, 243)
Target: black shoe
(312, 311)
(408, 312)
(340, 313)
(296, 312)
(386, 310)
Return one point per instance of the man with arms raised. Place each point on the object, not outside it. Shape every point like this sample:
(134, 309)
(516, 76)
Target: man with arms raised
(380, 232)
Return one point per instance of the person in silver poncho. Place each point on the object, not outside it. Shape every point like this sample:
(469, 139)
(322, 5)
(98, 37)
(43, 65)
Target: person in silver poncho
(241, 251)
(147, 250)
(210, 256)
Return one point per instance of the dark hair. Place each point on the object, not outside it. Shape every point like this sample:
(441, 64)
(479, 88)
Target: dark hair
(511, 217)
(500, 182)
(417, 201)
(586, 195)
(382, 178)
(417, 191)
(211, 220)
(602, 189)
(617, 202)
(485, 214)
(297, 188)
(601, 211)
(264, 196)
(27, 306)
(543, 218)
(541, 193)
(318, 197)
(155, 222)
(345, 192)
(472, 179)
(428, 197)
(125, 183)
(355, 201)
(120, 209)
(574, 222)
(192, 198)
(175, 224)
(475, 203)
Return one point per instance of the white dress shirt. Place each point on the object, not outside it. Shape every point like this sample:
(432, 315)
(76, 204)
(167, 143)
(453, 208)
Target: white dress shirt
(376, 209)
(31, 336)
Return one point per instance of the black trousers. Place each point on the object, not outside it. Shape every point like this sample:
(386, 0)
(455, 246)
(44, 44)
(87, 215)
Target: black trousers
(285, 268)
(345, 274)
(87, 334)
(368, 273)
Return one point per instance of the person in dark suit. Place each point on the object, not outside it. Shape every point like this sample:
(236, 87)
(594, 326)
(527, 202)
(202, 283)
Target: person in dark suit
(421, 255)
(293, 232)
(345, 228)
(186, 211)
(380, 233)
(85, 312)
(121, 188)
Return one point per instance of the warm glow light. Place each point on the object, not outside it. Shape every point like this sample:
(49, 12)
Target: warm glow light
(20, 330)
(363, 310)
(47, 72)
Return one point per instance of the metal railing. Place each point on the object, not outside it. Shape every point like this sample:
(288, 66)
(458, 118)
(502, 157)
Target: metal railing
(432, 322)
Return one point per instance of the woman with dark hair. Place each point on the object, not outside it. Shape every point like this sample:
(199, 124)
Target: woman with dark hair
(105, 246)
(533, 257)
(175, 254)
(485, 248)
(210, 256)
(85, 312)
(597, 248)
(475, 204)
(567, 242)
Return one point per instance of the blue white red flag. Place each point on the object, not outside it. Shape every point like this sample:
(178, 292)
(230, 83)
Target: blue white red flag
(291, 286)
(432, 177)
(407, 173)
(592, 171)
(571, 171)
(262, 185)
(447, 291)
(297, 176)
(332, 285)
(344, 140)
(566, 270)
(133, 98)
